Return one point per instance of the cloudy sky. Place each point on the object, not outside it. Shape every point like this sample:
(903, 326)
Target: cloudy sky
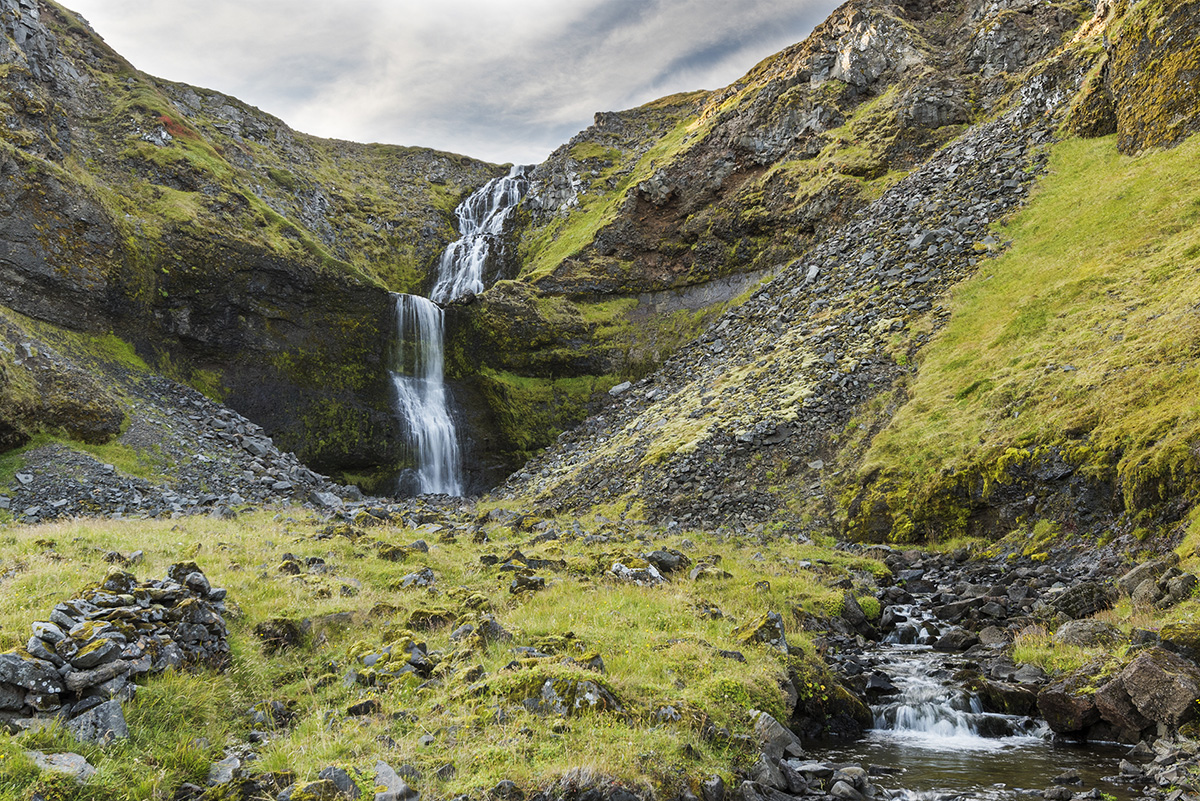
(502, 80)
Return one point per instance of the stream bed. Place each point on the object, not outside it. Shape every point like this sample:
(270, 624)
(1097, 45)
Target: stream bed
(932, 739)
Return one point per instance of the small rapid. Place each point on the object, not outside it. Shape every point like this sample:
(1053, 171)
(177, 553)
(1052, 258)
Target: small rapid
(933, 740)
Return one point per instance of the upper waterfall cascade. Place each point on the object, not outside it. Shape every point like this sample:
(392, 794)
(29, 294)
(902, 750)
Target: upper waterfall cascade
(481, 219)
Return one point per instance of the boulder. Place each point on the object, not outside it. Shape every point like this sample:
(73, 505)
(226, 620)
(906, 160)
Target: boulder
(775, 740)
(713, 789)
(566, 697)
(22, 669)
(390, 787)
(1178, 589)
(1006, 699)
(956, 640)
(1146, 570)
(1116, 708)
(852, 613)
(101, 724)
(320, 790)
(668, 560)
(1088, 634)
(1065, 707)
(72, 765)
(1162, 686)
(1085, 599)
(1182, 638)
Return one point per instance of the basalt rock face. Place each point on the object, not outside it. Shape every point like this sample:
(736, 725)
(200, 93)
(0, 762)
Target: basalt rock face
(695, 187)
(232, 251)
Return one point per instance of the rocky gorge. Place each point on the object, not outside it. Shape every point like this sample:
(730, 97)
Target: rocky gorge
(820, 431)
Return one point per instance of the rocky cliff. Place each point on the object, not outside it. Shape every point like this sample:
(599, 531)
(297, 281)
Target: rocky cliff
(233, 252)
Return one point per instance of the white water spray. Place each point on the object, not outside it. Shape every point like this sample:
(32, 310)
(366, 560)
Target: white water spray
(417, 375)
(481, 219)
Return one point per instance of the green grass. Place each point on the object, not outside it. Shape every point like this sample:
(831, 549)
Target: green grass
(545, 248)
(1035, 645)
(1101, 278)
(657, 649)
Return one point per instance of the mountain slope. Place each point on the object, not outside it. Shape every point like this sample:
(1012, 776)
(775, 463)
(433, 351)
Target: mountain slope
(230, 250)
(685, 204)
(853, 393)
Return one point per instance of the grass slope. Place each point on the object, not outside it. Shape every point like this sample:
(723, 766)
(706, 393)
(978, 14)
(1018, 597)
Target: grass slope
(1085, 333)
(658, 644)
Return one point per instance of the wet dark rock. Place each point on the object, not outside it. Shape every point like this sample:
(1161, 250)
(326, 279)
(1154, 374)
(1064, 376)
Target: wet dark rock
(956, 640)
(1065, 707)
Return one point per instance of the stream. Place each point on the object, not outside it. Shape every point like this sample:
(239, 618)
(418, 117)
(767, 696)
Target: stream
(933, 741)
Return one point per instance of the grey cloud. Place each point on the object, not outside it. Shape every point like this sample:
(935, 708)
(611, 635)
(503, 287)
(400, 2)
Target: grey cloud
(503, 81)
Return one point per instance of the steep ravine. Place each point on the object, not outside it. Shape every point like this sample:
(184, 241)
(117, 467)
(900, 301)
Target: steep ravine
(233, 252)
(836, 400)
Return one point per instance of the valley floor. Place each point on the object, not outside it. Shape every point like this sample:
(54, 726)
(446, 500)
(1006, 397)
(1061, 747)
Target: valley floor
(484, 652)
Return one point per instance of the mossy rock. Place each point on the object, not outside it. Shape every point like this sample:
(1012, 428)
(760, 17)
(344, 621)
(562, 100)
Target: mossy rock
(565, 697)
(279, 634)
(426, 619)
(766, 630)
(1154, 75)
(1183, 638)
(320, 790)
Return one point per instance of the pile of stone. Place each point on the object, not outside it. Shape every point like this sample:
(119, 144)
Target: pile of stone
(1158, 583)
(81, 663)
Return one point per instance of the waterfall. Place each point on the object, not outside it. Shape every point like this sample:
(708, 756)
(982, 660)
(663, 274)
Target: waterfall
(481, 219)
(417, 374)
(422, 402)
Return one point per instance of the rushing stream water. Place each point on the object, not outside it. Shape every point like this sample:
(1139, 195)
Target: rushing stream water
(933, 741)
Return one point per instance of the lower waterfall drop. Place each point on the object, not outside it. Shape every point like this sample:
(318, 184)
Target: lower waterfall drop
(421, 400)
